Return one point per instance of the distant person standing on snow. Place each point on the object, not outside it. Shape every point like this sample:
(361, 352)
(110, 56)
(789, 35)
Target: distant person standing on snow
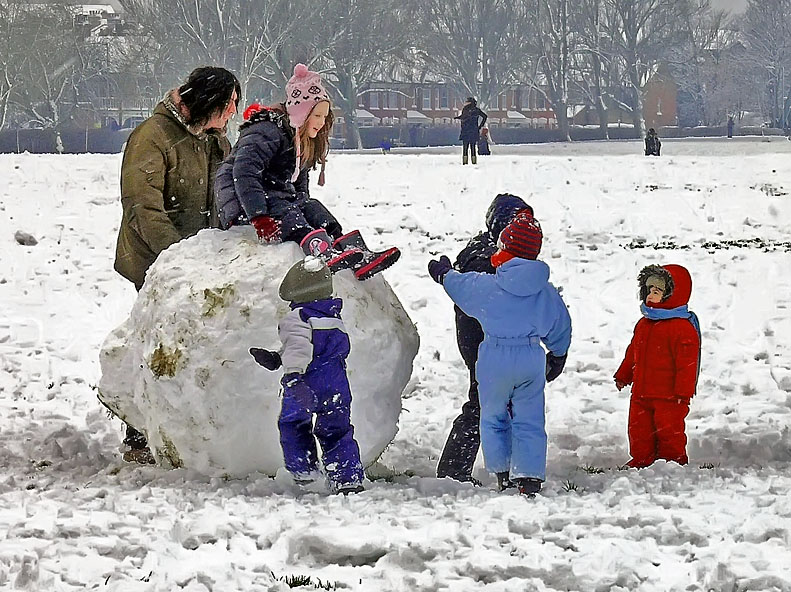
(167, 179)
(484, 141)
(472, 120)
(652, 144)
(730, 126)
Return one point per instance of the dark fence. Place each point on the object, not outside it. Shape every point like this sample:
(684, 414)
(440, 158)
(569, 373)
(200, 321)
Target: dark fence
(372, 137)
(104, 141)
(109, 141)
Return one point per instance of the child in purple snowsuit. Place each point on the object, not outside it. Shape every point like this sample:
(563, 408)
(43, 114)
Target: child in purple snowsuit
(313, 356)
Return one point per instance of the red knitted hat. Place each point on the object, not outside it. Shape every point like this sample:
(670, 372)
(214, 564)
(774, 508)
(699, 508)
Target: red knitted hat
(521, 238)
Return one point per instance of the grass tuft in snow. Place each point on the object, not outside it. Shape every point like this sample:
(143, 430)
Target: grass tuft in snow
(298, 581)
(591, 470)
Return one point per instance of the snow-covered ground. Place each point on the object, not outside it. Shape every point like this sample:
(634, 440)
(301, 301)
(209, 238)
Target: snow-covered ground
(74, 517)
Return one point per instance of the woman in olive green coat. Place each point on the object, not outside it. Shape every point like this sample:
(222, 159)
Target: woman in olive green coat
(167, 182)
(167, 175)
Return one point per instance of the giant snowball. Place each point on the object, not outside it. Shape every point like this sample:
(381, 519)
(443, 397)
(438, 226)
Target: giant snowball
(179, 368)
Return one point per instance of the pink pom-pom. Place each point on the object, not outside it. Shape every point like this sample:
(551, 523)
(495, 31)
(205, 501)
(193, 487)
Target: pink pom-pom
(300, 70)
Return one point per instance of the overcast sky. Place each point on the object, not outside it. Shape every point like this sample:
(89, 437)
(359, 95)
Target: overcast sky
(734, 5)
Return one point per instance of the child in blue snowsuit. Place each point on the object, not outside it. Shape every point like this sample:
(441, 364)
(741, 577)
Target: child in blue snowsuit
(313, 356)
(518, 309)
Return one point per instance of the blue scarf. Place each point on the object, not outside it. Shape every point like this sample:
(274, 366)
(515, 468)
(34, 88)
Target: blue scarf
(680, 312)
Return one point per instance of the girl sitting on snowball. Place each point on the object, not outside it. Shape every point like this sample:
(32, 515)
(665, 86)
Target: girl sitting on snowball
(264, 181)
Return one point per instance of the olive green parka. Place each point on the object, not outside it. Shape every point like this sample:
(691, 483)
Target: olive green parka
(167, 188)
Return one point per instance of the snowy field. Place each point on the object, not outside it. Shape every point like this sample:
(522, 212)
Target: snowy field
(74, 517)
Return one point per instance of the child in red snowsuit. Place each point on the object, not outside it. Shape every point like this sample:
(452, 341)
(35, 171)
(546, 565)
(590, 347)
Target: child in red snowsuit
(662, 364)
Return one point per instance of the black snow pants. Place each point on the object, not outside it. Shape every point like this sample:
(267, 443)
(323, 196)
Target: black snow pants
(301, 217)
(461, 449)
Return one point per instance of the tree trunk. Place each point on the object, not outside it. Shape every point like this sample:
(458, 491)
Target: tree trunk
(561, 113)
(601, 105)
(637, 102)
(604, 118)
(353, 139)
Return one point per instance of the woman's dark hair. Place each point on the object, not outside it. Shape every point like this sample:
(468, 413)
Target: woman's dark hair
(208, 89)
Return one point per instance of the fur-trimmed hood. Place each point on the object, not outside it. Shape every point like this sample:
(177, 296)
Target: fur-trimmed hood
(678, 285)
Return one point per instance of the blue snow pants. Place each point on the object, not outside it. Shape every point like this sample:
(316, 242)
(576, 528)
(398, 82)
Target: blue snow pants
(324, 392)
(513, 371)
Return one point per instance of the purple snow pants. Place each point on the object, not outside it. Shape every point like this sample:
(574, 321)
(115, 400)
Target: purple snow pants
(323, 391)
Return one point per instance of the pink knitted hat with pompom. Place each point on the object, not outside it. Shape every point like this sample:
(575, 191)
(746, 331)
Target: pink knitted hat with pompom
(304, 91)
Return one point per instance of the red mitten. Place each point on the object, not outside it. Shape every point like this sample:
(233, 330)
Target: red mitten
(268, 229)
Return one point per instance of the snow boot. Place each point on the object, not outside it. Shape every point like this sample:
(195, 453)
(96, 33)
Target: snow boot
(318, 244)
(474, 158)
(373, 261)
(348, 488)
(464, 159)
(528, 486)
(141, 456)
(504, 481)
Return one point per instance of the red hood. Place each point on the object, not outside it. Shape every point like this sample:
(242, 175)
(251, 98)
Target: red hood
(682, 288)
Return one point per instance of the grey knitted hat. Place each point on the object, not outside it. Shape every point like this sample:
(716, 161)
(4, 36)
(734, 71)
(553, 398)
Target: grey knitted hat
(307, 280)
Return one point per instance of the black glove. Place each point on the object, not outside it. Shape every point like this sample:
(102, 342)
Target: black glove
(292, 380)
(555, 366)
(438, 269)
(268, 359)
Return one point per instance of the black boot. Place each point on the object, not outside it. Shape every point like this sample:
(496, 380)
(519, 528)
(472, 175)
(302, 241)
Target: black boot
(138, 451)
(373, 261)
(529, 486)
(319, 244)
(504, 481)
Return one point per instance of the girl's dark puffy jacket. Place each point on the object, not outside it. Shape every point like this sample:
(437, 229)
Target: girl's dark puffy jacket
(259, 169)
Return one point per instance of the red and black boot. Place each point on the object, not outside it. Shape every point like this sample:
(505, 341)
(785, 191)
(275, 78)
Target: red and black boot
(318, 244)
(373, 261)
(529, 486)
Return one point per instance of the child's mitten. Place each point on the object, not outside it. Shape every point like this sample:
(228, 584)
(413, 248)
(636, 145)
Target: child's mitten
(269, 230)
(268, 359)
(555, 366)
(438, 269)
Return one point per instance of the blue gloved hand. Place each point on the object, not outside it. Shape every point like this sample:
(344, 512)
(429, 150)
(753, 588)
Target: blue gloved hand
(555, 366)
(438, 269)
(268, 359)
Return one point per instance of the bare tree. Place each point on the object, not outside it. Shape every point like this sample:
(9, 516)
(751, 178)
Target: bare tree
(473, 43)
(8, 15)
(553, 50)
(366, 36)
(767, 34)
(596, 64)
(643, 30)
(701, 66)
(45, 63)
(237, 34)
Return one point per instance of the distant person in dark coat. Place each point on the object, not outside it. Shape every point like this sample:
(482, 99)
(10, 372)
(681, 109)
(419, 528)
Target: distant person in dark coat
(464, 440)
(484, 141)
(652, 144)
(470, 128)
(730, 126)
